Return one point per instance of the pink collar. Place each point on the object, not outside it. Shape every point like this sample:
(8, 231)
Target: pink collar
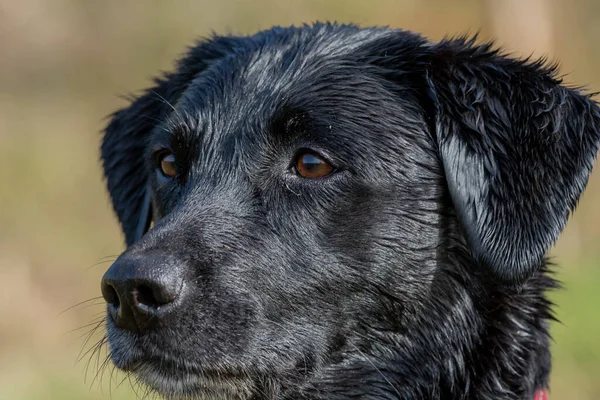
(541, 394)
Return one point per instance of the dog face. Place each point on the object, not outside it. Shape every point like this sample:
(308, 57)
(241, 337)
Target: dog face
(316, 191)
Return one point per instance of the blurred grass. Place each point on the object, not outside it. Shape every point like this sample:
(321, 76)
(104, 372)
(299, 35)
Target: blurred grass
(63, 65)
(576, 347)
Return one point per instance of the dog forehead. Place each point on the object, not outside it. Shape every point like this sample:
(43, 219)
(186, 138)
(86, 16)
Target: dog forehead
(281, 63)
(262, 74)
(273, 62)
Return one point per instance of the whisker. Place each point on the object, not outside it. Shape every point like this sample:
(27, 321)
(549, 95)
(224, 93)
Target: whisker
(99, 320)
(95, 322)
(134, 385)
(165, 101)
(87, 339)
(95, 349)
(111, 256)
(79, 304)
(147, 392)
(111, 379)
(146, 117)
(100, 370)
(127, 374)
(103, 260)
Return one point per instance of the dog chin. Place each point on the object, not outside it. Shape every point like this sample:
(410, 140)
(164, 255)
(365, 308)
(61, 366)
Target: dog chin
(186, 385)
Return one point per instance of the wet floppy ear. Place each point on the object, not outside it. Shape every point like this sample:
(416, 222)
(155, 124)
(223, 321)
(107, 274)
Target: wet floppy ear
(516, 147)
(123, 150)
(126, 136)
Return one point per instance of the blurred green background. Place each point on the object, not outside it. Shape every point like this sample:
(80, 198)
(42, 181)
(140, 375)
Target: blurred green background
(63, 66)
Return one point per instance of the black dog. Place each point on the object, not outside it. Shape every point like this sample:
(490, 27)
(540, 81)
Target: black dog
(342, 213)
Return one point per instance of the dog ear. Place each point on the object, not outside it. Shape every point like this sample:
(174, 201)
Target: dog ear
(126, 135)
(516, 147)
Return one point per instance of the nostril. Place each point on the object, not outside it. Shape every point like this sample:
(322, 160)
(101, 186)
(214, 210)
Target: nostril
(150, 297)
(110, 295)
(144, 295)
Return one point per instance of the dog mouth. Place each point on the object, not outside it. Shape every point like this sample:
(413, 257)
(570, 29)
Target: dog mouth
(184, 381)
(181, 379)
(172, 376)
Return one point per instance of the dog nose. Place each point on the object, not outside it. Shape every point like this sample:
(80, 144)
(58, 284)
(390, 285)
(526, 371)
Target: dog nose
(139, 291)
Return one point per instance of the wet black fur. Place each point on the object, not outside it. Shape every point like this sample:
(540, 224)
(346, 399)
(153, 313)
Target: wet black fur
(415, 271)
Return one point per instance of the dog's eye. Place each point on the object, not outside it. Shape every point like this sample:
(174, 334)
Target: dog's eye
(167, 165)
(311, 165)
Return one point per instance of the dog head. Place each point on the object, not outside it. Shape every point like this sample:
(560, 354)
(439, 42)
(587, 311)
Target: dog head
(309, 186)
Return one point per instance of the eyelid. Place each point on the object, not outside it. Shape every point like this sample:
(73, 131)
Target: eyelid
(157, 150)
(324, 155)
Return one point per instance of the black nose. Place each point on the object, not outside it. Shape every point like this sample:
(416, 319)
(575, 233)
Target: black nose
(141, 290)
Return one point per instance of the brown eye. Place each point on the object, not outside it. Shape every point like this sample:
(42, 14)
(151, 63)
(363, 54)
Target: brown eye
(310, 165)
(167, 165)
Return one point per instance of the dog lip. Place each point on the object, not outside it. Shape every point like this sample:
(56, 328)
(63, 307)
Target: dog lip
(207, 377)
(165, 363)
(190, 381)
(128, 355)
